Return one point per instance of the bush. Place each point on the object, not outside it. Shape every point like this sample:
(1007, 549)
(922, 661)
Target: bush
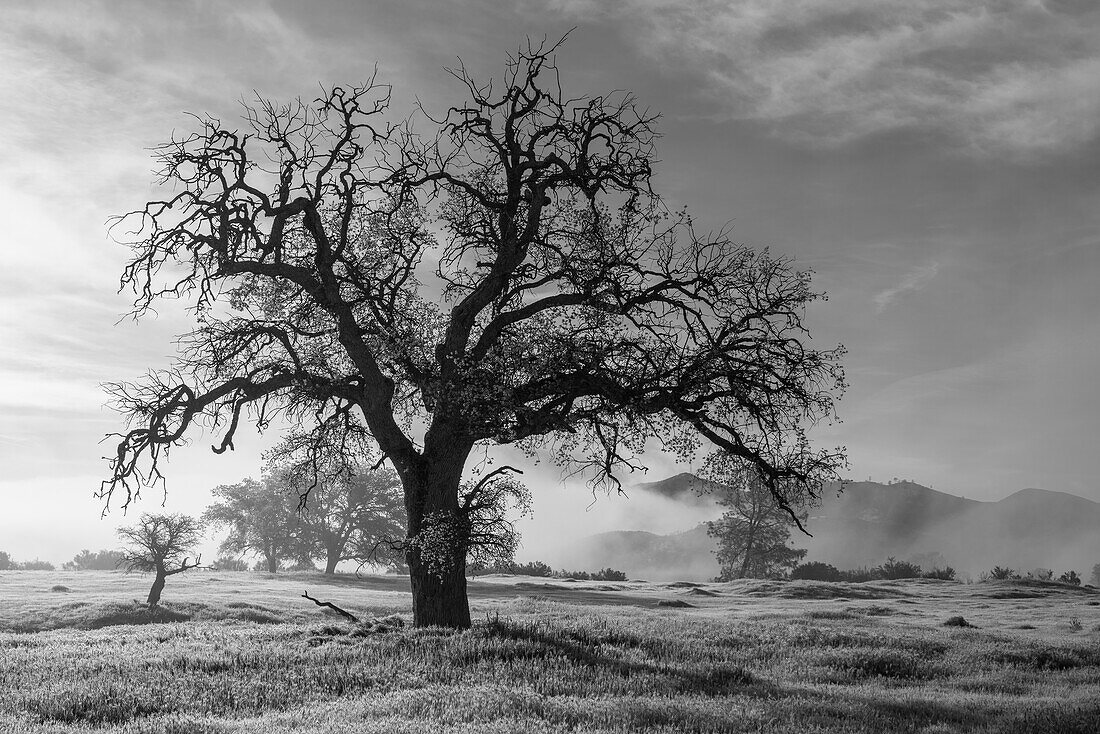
(1070, 577)
(943, 574)
(609, 574)
(37, 565)
(229, 564)
(895, 569)
(531, 568)
(6, 563)
(858, 575)
(1002, 574)
(815, 571)
(85, 560)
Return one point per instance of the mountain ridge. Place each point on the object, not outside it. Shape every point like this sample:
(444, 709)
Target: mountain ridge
(869, 522)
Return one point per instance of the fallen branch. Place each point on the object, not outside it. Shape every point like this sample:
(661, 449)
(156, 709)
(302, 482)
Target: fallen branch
(332, 606)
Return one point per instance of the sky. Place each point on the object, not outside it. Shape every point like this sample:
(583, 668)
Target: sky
(935, 162)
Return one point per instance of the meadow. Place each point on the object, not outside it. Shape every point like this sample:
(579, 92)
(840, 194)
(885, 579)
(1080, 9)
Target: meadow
(243, 652)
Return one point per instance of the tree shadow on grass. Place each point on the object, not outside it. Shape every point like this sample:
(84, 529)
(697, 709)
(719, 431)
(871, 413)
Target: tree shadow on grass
(602, 649)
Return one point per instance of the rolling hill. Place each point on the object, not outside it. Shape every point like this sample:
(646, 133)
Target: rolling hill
(869, 522)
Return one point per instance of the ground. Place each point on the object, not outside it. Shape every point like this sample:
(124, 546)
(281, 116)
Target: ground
(244, 652)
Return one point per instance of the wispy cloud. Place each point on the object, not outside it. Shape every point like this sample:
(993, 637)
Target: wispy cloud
(914, 280)
(1015, 76)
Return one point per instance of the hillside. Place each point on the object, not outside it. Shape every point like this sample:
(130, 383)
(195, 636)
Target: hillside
(869, 522)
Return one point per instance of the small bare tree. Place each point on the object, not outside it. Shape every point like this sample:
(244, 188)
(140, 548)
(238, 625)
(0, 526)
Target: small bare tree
(160, 544)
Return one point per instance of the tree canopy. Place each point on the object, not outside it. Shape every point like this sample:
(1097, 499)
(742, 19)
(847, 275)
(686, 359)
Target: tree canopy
(357, 516)
(500, 273)
(260, 517)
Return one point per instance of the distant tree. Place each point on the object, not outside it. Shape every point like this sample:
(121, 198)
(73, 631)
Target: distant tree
(351, 515)
(1041, 574)
(815, 571)
(530, 568)
(1095, 579)
(161, 544)
(895, 569)
(86, 560)
(261, 517)
(6, 564)
(35, 565)
(226, 563)
(509, 277)
(1070, 577)
(754, 530)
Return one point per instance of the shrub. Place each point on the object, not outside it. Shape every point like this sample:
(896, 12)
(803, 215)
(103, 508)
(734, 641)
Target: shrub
(1041, 574)
(531, 568)
(609, 574)
(1070, 577)
(861, 574)
(37, 565)
(1002, 574)
(943, 574)
(229, 564)
(85, 560)
(815, 571)
(895, 569)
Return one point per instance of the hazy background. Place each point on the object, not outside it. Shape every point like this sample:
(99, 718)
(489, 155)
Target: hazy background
(934, 161)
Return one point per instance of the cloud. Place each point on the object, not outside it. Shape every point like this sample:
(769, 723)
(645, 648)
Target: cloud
(995, 77)
(914, 280)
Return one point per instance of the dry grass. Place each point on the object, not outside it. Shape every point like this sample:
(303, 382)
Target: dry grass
(244, 653)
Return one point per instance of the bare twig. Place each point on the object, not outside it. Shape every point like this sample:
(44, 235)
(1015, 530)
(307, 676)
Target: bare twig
(332, 606)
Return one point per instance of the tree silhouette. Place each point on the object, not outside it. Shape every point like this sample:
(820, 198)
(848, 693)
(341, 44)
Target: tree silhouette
(510, 277)
(160, 544)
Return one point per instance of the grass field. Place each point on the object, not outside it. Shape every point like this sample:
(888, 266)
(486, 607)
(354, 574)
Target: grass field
(244, 652)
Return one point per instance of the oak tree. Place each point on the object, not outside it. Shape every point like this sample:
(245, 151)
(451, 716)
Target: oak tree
(500, 273)
(261, 518)
(161, 545)
(348, 517)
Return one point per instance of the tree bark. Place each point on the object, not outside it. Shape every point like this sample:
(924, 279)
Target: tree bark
(332, 558)
(158, 587)
(439, 598)
(438, 577)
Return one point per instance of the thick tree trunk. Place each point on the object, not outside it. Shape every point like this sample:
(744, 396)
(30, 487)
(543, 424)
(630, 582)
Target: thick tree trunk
(158, 586)
(272, 564)
(437, 561)
(439, 597)
(332, 558)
